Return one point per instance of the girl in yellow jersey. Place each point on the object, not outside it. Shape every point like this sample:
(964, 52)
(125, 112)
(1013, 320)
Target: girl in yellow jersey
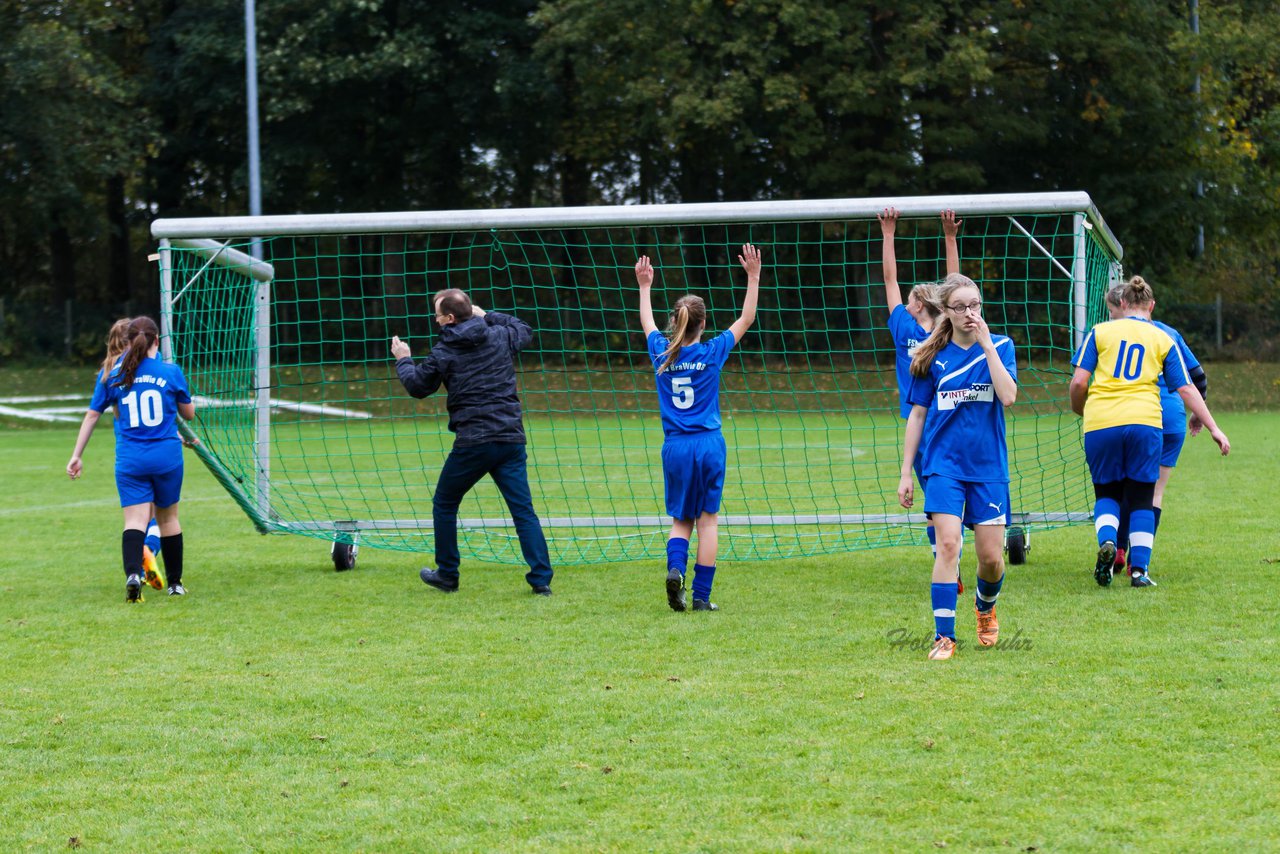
(1123, 423)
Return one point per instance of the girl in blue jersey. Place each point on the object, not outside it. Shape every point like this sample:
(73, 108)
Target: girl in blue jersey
(1123, 425)
(962, 379)
(1174, 428)
(117, 343)
(148, 395)
(912, 322)
(694, 456)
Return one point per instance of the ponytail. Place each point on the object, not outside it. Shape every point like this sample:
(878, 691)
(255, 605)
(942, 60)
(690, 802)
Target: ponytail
(944, 328)
(1138, 293)
(117, 343)
(689, 314)
(143, 334)
(932, 346)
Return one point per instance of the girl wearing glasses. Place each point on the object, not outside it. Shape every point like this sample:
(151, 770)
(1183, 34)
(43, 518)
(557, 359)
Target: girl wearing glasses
(962, 379)
(1123, 424)
(911, 323)
(694, 456)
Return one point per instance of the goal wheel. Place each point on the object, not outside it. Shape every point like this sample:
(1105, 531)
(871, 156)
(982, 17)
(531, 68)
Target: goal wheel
(1015, 543)
(344, 556)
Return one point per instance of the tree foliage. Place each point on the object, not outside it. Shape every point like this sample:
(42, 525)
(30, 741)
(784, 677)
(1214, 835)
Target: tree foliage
(112, 114)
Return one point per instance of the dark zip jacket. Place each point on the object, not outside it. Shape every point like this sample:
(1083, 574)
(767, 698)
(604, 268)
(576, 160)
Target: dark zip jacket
(474, 360)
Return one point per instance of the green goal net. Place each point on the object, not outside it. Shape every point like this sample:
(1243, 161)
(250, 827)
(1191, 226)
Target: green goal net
(302, 419)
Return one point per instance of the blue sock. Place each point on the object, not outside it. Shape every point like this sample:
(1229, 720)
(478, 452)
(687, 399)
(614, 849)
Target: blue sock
(1106, 519)
(153, 537)
(702, 578)
(678, 554)
(1156, 526)
(1142, 537)
(985, 599)
(933, 540)
(1122, 527)
(944, 598)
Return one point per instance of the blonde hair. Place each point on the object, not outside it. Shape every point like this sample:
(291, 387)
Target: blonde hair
(1116, 295)
(117, 343)
(687, 318)
(927, 294)
(1138, 293)
(942, 332)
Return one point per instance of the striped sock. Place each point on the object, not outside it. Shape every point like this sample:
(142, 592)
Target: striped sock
(678, 554)
(987, 593)
(932, 533)
(1142, 537)
(944, 598)
(153, 537)
(1106, 519)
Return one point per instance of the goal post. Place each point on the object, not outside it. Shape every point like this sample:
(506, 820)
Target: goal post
(303, 420)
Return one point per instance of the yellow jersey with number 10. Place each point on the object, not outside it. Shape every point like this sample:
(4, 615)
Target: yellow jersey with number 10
(1126, 357)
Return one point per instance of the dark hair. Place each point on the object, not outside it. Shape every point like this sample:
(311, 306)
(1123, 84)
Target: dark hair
(941, 335)
(687, 317)
(142, 334)
(455, 302)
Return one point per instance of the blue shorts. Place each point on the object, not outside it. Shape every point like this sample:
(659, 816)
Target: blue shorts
(693, 468)
(164, 490)
(975, 503)
(1172, 448)
(1129, 451)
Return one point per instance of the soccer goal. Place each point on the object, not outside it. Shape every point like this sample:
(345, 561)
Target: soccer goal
(304, 422)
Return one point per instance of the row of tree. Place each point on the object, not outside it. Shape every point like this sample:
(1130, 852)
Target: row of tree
(115, 113)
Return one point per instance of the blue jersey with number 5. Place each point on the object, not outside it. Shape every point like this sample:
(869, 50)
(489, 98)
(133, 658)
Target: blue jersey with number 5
(147, 414)
(689, 390)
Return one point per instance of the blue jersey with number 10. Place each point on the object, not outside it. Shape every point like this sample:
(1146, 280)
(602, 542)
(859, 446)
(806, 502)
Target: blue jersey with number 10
(689, 390)
(147, 418)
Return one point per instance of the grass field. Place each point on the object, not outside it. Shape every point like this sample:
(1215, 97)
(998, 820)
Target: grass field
(282, 706)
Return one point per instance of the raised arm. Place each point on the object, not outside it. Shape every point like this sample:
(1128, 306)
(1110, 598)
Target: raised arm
(644, 277)
(420, 380)
(889, 258)
(950, 228)
(750, 261)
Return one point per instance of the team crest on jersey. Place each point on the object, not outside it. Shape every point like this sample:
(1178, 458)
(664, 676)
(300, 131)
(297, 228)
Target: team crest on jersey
(912, 346)
(976, 393)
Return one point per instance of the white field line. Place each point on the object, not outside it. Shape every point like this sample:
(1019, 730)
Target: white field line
(106, 501)
(42, 398)
(69, 413)
(35, 415)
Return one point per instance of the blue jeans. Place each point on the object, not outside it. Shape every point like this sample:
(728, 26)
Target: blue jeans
(506, 464)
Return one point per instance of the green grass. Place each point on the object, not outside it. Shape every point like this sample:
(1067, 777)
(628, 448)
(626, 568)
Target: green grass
(283, 706)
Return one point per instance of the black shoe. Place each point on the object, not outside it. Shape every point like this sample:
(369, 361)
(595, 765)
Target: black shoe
(704, 605)
(1106, 563)
(675, 589)
(542, 590)
(1139, 578)
(133, 588)
(433, 579)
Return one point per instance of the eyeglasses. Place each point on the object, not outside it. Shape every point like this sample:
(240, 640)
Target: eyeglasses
(975, 307)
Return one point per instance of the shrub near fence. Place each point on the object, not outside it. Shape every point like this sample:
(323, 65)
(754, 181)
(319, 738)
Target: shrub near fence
(71, 332)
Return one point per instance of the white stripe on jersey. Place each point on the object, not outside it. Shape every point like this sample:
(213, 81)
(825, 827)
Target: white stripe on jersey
(1080, 352)
(997, 341)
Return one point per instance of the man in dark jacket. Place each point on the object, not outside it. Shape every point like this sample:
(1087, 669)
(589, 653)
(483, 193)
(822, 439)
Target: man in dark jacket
(474, 362)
